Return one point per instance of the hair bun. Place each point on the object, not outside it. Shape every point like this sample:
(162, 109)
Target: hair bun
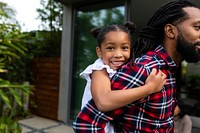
(130, 26)
(95, 32)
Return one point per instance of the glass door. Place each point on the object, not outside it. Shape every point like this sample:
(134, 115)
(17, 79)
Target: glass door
(85, 45)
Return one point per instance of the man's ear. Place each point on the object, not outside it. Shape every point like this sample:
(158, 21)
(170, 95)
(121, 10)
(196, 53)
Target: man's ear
(170, 31)
(98, 51)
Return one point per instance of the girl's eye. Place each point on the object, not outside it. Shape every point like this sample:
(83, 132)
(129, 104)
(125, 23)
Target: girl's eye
(125, 48)
(197, 27)
(110, 48)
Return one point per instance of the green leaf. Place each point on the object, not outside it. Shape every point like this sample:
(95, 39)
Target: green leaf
(16, 96)
(5, 98)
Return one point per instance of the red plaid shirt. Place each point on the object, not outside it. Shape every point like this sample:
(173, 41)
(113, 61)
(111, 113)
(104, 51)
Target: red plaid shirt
(151, 114)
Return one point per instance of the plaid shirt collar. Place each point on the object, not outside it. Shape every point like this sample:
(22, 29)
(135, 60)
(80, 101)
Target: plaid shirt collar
(165, 56)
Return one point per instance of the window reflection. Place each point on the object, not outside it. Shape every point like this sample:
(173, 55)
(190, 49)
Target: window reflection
(85, 46)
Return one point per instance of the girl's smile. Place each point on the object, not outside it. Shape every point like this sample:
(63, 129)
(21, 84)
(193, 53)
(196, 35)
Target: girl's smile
(115, 49)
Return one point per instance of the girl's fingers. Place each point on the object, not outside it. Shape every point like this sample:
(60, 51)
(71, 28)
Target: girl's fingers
(154, 71)
(163, 75)
(158, 73)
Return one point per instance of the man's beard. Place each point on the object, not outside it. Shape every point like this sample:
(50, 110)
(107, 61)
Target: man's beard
(187, 50)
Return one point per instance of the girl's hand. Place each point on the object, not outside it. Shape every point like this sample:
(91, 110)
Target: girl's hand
(155, 81)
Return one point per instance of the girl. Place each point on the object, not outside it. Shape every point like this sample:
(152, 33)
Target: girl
(113, 50)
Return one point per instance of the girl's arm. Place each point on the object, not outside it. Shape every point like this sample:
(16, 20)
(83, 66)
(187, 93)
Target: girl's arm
(107, 100)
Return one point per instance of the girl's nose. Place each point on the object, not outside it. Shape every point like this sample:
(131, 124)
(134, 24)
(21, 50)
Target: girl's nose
(118, 54)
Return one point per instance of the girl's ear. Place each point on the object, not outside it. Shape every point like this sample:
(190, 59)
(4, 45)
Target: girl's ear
(170, 31)
(98, 51)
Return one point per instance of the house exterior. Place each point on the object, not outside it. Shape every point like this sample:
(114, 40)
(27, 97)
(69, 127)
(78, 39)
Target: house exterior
(78, 47)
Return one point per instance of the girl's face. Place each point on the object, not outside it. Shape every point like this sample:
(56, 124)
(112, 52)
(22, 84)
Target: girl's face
(115, 49)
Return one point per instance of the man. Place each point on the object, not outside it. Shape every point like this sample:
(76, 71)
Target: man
(172, 34)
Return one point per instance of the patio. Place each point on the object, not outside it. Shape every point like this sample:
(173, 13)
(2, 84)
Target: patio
(38, 124)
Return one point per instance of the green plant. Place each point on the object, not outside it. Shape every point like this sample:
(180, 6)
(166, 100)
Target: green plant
(12, 49)
(11, 91)
(50, 14)
(11, 99)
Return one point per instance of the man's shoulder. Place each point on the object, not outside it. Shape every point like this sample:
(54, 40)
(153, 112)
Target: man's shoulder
(145, 62)
(150, 57)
